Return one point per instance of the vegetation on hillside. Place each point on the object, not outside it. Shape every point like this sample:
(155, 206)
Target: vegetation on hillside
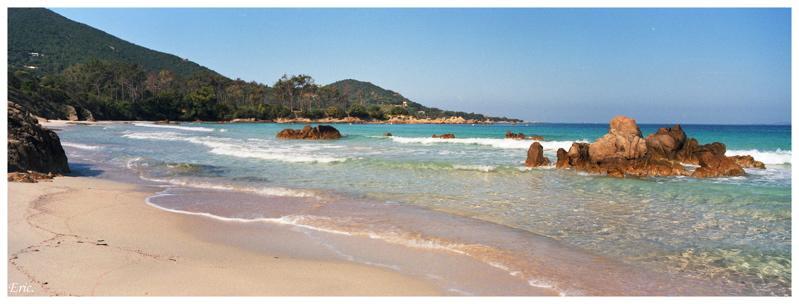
(55, 62)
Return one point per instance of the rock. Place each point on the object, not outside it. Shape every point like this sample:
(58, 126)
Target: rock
(747, 161)
(445, 136)
(666, 142)
(623, 140)
(72, 114)
(239, 120)
(32, 147)
(387, 134)
(512, 135)
(308, 132)
(29, 177)
(86, 115)
(536, 137)
(535, 156)
(562, 159)
(623, 152)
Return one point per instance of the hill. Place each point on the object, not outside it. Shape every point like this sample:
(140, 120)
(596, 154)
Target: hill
(58, 66)
(40, 38)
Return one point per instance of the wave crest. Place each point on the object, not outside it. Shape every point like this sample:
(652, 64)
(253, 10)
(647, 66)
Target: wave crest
(151, 125)
(501, 143)
(776, 157)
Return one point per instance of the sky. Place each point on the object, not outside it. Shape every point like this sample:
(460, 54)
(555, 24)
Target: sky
(729, 66)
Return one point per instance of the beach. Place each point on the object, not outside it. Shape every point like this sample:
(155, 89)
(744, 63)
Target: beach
(85, 236)
(427, 212)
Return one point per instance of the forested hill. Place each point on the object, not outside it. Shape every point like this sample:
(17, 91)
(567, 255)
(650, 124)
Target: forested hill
(47, 42)
(59, 69)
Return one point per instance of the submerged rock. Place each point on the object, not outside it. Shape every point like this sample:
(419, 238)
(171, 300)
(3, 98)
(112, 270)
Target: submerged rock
(308, 132)
(445, 136)
(535, 156)
(32, 147)
(623, 152)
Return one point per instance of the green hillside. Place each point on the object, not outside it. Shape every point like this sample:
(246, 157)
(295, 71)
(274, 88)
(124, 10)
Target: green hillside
(55, 62)
(40, 38)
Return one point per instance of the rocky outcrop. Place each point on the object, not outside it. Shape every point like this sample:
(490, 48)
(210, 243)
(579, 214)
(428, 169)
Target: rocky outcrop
(308, 132)
(622, 141)
(623, 152)
(511, 135)
(387, 134)
(444, 136)
(32, 147)
(72, 114)
(747, 161)
(86, 115)
(535, 156)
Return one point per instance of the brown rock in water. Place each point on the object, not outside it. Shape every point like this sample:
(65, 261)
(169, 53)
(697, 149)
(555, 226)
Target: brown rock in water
(563, 159)
(747, 161)
(312, 133)
(623, 152)
(32, 147)
(445, 136)
(666, 142)
(535, 156)
(623, 140)
(388, 134)
(536, 137)
(512, 135)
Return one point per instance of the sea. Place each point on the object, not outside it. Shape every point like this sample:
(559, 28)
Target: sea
(465, 213)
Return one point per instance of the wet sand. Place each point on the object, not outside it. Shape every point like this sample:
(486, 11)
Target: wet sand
(86, 236)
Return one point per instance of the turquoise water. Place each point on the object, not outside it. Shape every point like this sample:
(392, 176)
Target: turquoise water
(733, 233)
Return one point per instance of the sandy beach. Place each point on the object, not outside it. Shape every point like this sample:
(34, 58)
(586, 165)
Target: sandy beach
(85, 236)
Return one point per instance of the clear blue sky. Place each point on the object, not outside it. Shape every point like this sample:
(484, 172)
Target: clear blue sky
(555, 65)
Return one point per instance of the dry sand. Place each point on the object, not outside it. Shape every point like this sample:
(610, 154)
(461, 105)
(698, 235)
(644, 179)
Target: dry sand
(86, 236)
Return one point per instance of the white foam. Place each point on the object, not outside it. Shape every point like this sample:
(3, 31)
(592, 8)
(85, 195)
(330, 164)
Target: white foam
(237, 148)
(283, 220)
(501, 143)
(776, 157)
(151, 125)
(481, 168)
(80, 146)
(266, 191)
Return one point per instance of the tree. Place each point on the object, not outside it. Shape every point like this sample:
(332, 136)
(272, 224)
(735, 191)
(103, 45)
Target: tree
(358, 111)
(334, 112)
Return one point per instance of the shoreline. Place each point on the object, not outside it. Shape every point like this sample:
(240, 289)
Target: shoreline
(61, 243)
(56, 123)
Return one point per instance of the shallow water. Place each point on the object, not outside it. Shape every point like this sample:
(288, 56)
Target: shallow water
(473, 197)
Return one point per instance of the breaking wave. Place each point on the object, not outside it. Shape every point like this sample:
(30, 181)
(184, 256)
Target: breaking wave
(501, 143)
(80, 146)
(151, 125)
(776, 157)
(240, 148)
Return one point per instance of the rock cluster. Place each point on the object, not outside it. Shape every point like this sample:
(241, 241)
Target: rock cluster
(32, 147)
(445, 136)
(511, 135)
(29, 177)
(308, 132)
(624, 152)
